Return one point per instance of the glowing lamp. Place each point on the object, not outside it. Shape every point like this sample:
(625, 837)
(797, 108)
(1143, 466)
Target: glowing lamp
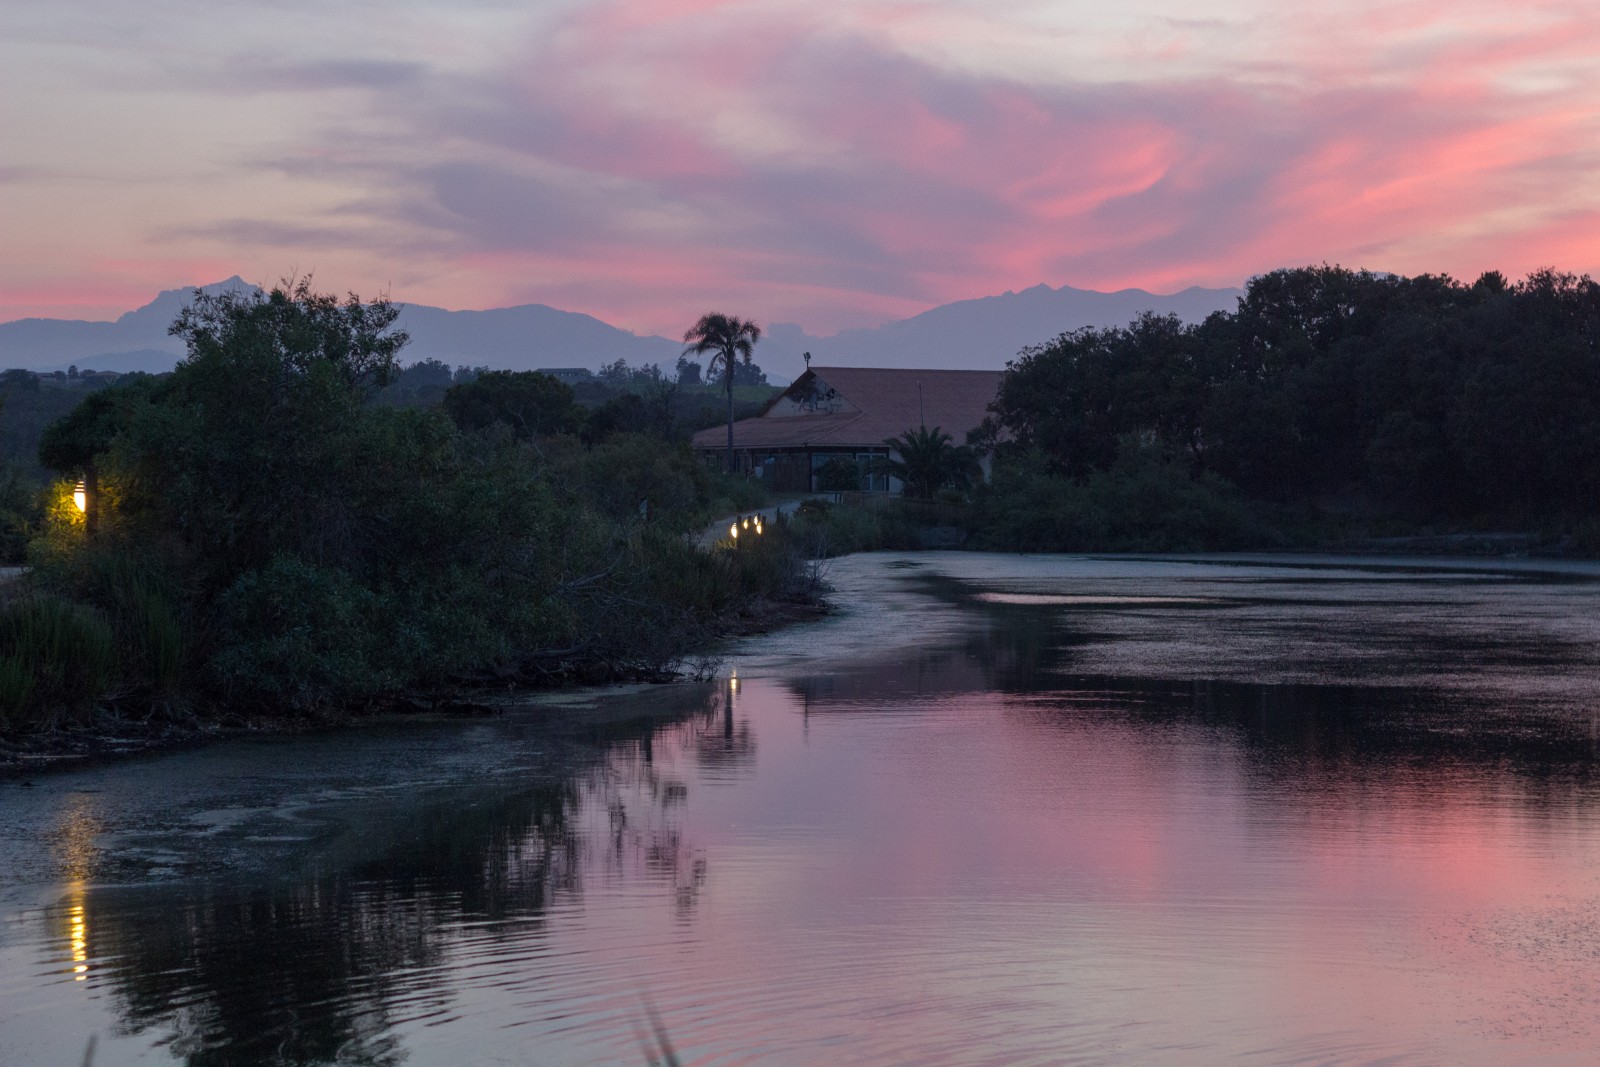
(733, 531)
(747, 524)
(80, 496)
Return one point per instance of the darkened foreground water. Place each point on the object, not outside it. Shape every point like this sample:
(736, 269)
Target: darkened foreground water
(1005, 810)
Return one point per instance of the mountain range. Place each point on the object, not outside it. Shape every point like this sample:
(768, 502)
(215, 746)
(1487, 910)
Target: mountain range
(978, 334)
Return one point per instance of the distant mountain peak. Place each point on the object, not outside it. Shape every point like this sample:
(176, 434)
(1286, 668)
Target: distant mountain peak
(981, 333)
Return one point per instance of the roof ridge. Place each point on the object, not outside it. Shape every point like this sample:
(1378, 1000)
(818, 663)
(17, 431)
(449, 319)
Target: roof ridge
(815, 368)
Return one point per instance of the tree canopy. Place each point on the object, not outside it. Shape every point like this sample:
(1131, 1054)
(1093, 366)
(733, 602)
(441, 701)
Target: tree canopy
(727, 340)
(1424, 398)
(277, 538)
(531, 403)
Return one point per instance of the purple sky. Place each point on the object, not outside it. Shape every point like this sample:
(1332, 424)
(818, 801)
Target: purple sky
(834, 164)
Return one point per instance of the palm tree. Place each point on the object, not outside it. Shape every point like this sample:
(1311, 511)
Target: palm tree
(729, 340)
(929, 462)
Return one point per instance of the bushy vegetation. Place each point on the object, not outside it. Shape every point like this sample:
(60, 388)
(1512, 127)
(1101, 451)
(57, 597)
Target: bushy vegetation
(1144, 503)
(29, 403)
(264, 536)
(1331, 400)
(619, 399)
(931, 462)
(856, 524)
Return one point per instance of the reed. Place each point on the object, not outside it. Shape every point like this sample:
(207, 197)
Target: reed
(56, 659)
(142, 602)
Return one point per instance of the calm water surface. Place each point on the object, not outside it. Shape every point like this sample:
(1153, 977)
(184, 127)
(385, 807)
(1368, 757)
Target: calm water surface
(1000, 810)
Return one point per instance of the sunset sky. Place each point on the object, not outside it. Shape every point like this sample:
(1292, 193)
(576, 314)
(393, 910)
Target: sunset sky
(836, 164)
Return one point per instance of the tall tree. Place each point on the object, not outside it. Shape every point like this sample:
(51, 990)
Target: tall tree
(729, 342)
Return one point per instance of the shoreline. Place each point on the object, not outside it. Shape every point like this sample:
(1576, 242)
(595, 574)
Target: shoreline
(110, 737)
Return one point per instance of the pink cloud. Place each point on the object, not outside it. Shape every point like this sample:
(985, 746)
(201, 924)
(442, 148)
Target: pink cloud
(639, 159)
(959, 184)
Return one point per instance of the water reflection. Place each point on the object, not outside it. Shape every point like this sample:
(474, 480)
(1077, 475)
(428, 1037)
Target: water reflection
(1027, 652)
(323, 969)
(730, 747)
(975, 850)
(77, 932)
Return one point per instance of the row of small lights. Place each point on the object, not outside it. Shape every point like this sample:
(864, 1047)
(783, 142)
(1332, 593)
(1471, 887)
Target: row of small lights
(746, 523)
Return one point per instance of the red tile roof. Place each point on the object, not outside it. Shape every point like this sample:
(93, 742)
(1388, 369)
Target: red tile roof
(888, 402)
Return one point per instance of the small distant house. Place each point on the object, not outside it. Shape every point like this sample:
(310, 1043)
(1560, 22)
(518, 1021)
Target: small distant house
(849, 412)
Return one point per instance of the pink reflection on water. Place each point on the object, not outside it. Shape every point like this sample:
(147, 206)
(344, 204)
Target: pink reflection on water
(952, 872)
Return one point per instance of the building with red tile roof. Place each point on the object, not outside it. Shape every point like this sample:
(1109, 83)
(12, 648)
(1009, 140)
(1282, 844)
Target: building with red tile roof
(850, 412)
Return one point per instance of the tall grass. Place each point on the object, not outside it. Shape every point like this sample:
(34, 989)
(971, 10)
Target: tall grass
(56, 659)
(860, 525)
(142, 601)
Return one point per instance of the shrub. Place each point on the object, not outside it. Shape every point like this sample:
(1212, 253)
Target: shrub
(1145, 503)
(840, 474)
(825, 529)
(732, 492)
(300, 636)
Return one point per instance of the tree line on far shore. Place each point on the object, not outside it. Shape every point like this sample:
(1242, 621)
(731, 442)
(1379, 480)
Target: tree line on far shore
(1331, 404)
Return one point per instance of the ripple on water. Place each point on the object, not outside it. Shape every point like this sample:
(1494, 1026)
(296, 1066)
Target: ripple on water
(999, 810)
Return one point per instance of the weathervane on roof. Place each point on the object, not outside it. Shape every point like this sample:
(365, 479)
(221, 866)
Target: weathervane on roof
(816, 395)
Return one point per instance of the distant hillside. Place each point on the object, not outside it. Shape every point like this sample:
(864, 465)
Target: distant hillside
(507, 338)
(526, 338)
(982, 334)
(136, 341)
(977, 334)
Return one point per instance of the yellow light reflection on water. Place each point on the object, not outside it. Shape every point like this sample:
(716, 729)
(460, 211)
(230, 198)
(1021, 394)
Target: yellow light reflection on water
(78, 932)
(80, 944)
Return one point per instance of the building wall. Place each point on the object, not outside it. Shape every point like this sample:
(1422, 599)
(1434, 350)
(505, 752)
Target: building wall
(795, 470)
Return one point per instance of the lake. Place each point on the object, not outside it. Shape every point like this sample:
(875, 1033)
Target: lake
(997, 810)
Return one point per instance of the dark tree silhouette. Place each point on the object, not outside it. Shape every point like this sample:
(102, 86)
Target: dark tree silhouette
(929, 462)
(532, 404)
(728, 341)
